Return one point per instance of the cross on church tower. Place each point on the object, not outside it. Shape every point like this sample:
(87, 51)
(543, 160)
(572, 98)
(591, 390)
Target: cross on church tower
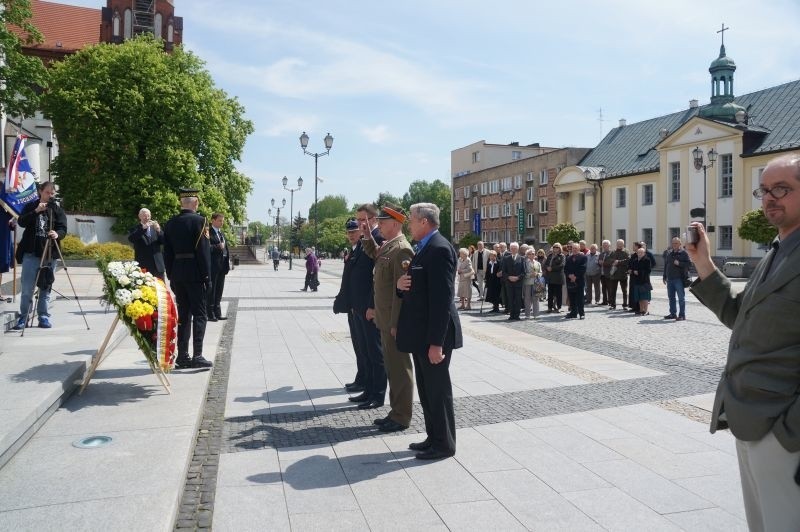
(722, 31)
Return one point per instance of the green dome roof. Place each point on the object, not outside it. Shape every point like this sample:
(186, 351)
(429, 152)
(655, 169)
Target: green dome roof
(722, 62)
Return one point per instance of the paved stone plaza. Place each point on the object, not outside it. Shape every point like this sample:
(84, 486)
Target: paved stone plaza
(598, 424)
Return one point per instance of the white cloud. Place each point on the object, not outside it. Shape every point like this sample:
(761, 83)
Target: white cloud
(377, 135)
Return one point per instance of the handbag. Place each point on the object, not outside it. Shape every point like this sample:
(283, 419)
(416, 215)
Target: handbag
(46, 278)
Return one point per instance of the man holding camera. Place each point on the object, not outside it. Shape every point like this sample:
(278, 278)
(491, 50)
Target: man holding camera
(758, 397)
(147, 237)
(43, 221)
(676, 270)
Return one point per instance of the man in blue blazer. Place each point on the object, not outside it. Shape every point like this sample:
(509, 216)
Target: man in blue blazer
(758, 397)
(429, 328)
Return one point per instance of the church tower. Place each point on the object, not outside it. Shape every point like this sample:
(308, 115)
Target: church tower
(722, 69)
(124, 19)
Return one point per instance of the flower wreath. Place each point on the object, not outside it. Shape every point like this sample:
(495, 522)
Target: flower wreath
(146, 307)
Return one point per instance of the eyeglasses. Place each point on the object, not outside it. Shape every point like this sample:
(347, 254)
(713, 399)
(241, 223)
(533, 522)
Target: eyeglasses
(777, 192)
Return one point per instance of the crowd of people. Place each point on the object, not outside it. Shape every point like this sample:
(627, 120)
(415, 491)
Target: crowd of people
(520, 277)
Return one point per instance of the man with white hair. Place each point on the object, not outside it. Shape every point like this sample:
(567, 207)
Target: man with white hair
(479, 260)
(514, 273)
(147, 238)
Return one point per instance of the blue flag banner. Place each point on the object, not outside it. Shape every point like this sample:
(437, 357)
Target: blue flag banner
(6, 242)
(19, 185)
(476, 223)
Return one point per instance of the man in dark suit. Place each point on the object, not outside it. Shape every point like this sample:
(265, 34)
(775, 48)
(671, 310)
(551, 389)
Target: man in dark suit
(147, 237)
(220, 266)
(187, 257)
(429, 329)
(513, 269)
(575, 274)
(758, 397)
(358, 288)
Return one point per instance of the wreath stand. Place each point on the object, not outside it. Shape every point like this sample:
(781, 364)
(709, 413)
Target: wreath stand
(101, 355)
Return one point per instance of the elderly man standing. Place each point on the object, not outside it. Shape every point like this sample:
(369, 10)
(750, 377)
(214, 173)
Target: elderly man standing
(513, 269)
(617, 262)
(147, 238)
(429, 328)
(758, 397)
(389, 266)
(676, 269)
(479, 260)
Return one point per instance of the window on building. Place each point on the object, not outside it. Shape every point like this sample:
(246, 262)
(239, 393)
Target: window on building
(529, 194)
(466, 214)
(542, 205)
(621, 234)
(621, 197)
(531, 221)
(543, 177)
(466, 192)
(726, 176)
(518, 182)
(485, 236)
(725, 237)
(582, 201)
(158, 26)
(506, 209)
(647, 194)
(457, 195)
(475, 202)
(529, 176)
(674, 232)
(457, 215)
(674, 181)
(647, 237)
(495, 211)
(128, 24)
(543, 234)
(493, 236)
(507, 183)
(476, 157)
(516, 155)
(484, 188)
(484, 211)
(494, 186)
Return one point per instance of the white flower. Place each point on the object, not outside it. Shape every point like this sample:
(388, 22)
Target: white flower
(123, 297)
(124, 280)
(136, 294)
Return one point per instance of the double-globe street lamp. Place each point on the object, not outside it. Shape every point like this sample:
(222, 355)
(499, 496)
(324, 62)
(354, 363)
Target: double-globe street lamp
(277, 218)
(506, 196)
(328, 145)
(697, 154)
(285, 182)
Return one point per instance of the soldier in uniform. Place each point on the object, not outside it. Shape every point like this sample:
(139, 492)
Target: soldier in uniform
(187, 257)
(389, 259)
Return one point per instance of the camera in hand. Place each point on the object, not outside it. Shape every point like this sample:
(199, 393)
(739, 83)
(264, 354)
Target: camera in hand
(692, 235)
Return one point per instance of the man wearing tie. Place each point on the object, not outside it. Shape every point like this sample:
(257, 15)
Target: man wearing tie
(220, 266)
(575, 273)
(429, 329)
(758, 397)
(513, 269)
(147, 238)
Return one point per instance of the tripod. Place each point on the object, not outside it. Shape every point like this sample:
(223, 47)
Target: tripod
(32, 307)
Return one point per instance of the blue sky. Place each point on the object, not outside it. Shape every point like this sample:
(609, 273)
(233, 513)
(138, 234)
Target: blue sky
(399, 85)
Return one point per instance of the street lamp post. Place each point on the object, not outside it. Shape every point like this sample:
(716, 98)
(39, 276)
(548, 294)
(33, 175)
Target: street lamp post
(697, 154)
(328, 145)
(285, 182)
(506, 195)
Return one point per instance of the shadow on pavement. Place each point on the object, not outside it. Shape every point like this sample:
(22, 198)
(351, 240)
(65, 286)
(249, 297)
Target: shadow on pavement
(111, 394)
(48, 372)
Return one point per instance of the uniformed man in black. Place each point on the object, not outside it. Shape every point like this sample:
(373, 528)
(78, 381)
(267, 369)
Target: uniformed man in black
(187, 256)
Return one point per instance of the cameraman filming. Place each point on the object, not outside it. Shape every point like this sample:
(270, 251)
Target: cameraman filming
(42, 220)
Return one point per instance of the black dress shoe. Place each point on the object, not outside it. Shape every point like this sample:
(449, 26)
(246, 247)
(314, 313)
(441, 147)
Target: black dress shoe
(183, 362)
(354, 388)
(381, 420)
(433, 454)
(221, 317)
(212, 318)
(200, 362)
(369, 405)
(359, 398)
(391, 426)
(420, 446)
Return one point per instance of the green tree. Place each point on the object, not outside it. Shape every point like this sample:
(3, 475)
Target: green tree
(431, 192)
(332, 234)
(23, 77)
(298, 224)
(387, 197)
(754, 227)
(563, 232)
(135, 124)
(470, 239)
(258, 230)
(329, 207)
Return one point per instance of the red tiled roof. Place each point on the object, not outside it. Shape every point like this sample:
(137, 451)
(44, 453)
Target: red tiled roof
(72, 26)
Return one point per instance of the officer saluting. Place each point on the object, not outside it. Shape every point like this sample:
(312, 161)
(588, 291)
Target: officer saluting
(187, 257)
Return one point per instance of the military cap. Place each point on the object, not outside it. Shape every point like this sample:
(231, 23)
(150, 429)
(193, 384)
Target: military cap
(392, 211)
(351, 225)
(188, 193)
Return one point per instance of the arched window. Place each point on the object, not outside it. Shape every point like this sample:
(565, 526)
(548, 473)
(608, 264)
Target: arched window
(170, 29)
(157, 29)
(115, 24)
(128, 24)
